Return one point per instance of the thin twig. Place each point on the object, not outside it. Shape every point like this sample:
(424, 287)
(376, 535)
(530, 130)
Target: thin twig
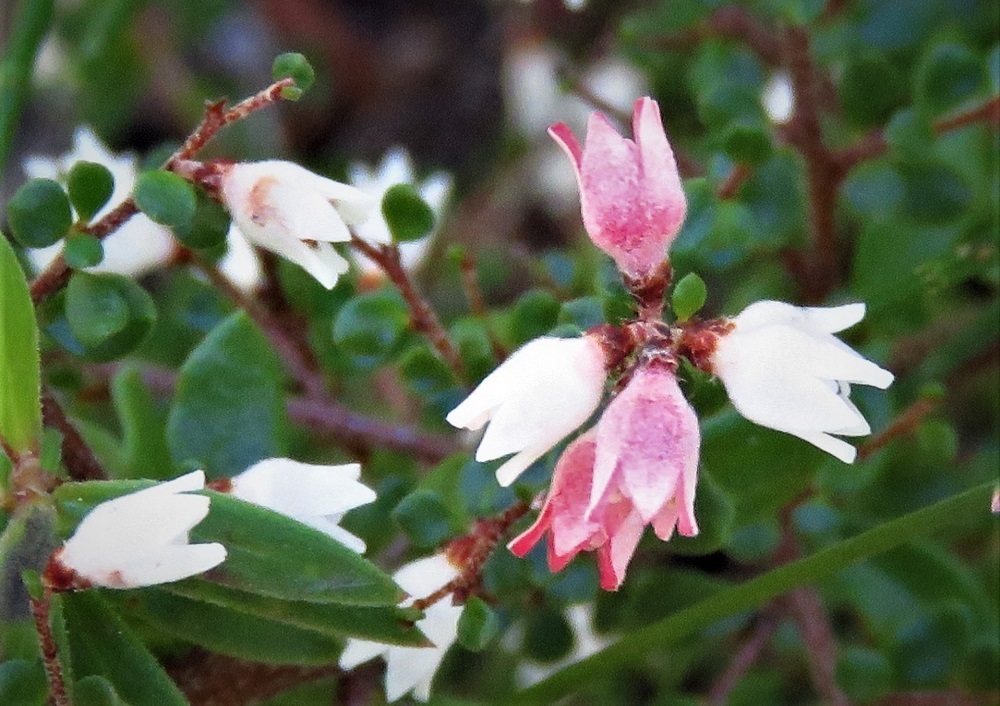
(905, 423)
(422, 316)
(477, 304)
(79, 460)
(874, 144)
(745, 658)
(737, 177)
(50, 652)
(56, 275)
(336, 422)
(823, 174)
(294, 352)
(807, 611)
(738, 23)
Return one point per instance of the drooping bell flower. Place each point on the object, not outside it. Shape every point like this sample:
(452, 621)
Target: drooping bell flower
(631, 197)
(312, 494)
(293, 212)
(535, 399)
(413, 668)
(139, 539)
(638, 466)
(783, 368)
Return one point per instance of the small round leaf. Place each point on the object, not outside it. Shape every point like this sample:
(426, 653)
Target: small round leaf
(406, 214)
(166, 198)
(104, 317)
(295, 66)
(208, 228)
(747, 143)
(82, 251)
(370, 325)
(90, 186)
(39, 214)
(478, 624)
(689, 296)
(423, 516)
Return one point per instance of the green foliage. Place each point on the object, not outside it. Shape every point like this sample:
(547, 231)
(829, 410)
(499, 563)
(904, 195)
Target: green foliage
(107, 316)
(166, 198)
(82, 251)
(688, 296)
(39, 213)
(20, 410)
(406, 214)
(424, 518)
(478, 625)
(23, 683)
(207, 228)
(370, 326)
(295, 66)
(90, 186)
(228, 409)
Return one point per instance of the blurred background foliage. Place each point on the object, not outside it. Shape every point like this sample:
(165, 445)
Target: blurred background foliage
(905, 217)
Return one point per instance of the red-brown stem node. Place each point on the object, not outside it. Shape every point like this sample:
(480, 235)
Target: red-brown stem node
(699, 339)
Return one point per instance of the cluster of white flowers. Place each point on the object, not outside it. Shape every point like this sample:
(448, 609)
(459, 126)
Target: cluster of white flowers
(142, 539)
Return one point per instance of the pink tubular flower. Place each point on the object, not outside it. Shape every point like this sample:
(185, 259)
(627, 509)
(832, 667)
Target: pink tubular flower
(630, 192)
(637, 466)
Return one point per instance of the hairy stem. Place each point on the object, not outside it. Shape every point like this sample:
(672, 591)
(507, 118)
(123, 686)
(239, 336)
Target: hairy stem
(40, 612)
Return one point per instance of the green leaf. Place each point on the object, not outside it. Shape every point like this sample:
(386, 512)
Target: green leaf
(424, 372)
(165, 197)
(747, 143)
(640, 644)
(23, 683)
(715, 512)
(102, 644)
(26, 544)
(96, 691)
(209, 226)
(387, 624)
(50, 457)
(90, 186)
(688, 296)
(39, 213)
(82, 251)
(424, 518)
(910, 135)
(871, 88)
(268, 554)
(406, 214)
(478, 625)
(934, 192)
(864, 675)
(949, 75)
(228, 632)
(144, 435)
(547, 635)
(369, 326)
(295, 66)
(20, 408)
(473, 342)
(534, 314)
(106, 316)
(228, 410)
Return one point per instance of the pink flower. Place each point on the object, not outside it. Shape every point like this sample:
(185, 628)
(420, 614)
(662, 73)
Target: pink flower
(630, 192)
(637, 466)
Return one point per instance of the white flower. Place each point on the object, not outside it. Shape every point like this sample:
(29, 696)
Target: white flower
(396, 168)
(414, 667)
(317, 496)
(294, 213)
(141, 539)
(140, 245)
(778, 98)
(783, 368)
(538, 396)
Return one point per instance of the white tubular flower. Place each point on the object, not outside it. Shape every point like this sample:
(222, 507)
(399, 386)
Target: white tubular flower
(139, 245)
(783, 368)
(141, 539)
(413, 668)
(537, 397)
(294, 213)
(317, 496)
(397, 168)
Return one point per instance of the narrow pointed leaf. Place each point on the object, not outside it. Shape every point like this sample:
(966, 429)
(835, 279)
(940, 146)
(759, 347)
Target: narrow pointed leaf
(20, 410)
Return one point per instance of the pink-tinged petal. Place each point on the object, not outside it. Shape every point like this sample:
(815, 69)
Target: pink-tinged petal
(661, 182)
(565, 138)
(665, 521)
(526, 541)
(653, 433)
(624, 537)
(686, 523)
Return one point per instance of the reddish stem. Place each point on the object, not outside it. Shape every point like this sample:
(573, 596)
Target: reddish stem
(40, 609)
(905, 423)
(422, 317)
(744, 659)
(56, 275)
(737, 177)
(79, 460)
